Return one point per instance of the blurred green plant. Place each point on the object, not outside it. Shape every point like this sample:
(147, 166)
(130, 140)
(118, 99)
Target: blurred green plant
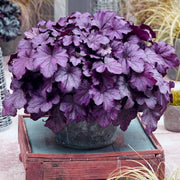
(176, 97)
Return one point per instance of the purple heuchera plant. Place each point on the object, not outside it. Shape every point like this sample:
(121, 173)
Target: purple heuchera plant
(87, 68)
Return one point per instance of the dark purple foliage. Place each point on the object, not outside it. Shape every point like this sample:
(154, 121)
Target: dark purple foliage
(9, 20)
(144, 32)
(94, 68)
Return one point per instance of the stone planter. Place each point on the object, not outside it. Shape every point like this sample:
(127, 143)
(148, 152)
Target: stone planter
(83, 135)
(172, 118)
(172, 73)
(172, 113)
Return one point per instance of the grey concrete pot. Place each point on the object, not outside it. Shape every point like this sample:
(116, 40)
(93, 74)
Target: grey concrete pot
(84, 135)
(172, 113)
(172, 118)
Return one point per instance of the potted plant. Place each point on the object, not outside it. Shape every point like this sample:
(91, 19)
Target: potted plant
(152, 12)
(90, 69)
(9, 30)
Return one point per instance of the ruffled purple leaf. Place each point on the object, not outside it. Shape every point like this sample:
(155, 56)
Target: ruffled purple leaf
(95, 40)
(19, 99)
(82, 95)
(125, 92)
(69, 39)
(117, 48)
(163, 100)
(8, 107)
(87, 71)
(102, 19)
(30, 34)
(165, 87)
(14, 101)
(105, 51)
(83, 21)
(150, 119)
(106, 79)
(62, 21)
(72, 110)
(110, 64)
(134, 39)
(76, 60)
(15, 84)
(47, 86)
(41, 23)
(124, 118)
(103, 117)
(132, 57)
(23, 62)
(154, 59)
(50, 24)
(167, 52)
(105, 96)
(141, 81)
(24, 45)
(148, 99)
(144, 32)
(56, 120)
(41, 39)
(161, 83)
(47, 58)
(118, 27)
(76, 56)
(69, 77)
(40, 103)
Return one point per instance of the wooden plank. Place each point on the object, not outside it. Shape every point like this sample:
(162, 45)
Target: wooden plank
(151, 136)
(88, 169)
(100, 156)
(25, 134)
(34, 171)
(25, 147)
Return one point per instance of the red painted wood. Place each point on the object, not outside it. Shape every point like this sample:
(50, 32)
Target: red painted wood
(34, 170)
(81, 166)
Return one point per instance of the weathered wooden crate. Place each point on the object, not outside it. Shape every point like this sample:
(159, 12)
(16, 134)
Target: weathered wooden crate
(43, 159)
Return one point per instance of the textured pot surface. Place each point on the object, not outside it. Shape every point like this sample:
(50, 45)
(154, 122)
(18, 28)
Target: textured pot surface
(85, 135)
(172, 73)
(172, 118)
